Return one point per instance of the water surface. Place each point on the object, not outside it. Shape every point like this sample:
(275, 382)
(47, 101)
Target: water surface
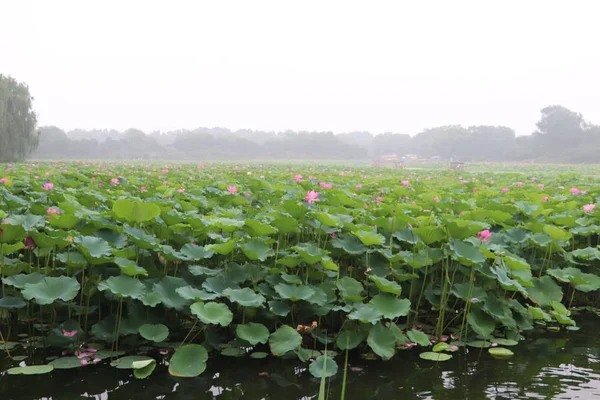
(564, 365)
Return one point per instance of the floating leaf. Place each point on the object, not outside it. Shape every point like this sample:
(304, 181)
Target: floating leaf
(500, 352)
(431, 356)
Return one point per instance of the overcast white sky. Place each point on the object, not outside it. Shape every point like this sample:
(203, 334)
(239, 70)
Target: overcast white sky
(397, 66)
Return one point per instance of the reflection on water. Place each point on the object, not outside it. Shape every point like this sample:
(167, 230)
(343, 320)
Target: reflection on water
(550, 366)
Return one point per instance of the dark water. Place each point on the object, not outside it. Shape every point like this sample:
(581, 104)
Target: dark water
(563, 365)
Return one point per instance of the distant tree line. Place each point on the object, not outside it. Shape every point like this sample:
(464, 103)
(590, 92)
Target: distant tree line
(561, 136)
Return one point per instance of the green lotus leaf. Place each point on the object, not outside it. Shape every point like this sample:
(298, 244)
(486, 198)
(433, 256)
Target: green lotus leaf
(294, 292)
(154, 332)
(217, 284)
(6, 249)
(30, 370)
(544, 291)
(123, 286)
(386, 286)
(418, 337)
(350, 245)
(284, 223)
(188, 361)
(309, 252)
(193, 294)
(72, 259)
(245, 297)
(557, 233)
(221, 248)
(259, 228)
(66, 363)
(390, 306)
(212, 313)
(349, 339)
(94, 248)
(284, 339)
(466, 251)
(253, 333)
(256, 249)
(480, 344)
(10, 302)
(135, 211)
(365, 313)
(127, 362)
(481, 323)
(143, 369)
(500, 352)
(19, 281)
(167, 289)
(350, 289)
(505, 342)
(433, 356)
(142, 239)
(369, 238)
(279, 308)
(151, 299)
(198, 270)
(129, 267)
(382, 341)
(259, 355)
(50, 289)
(323, 366)
(196, 253)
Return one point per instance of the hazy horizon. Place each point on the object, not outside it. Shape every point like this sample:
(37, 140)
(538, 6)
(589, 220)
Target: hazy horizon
(323, 66)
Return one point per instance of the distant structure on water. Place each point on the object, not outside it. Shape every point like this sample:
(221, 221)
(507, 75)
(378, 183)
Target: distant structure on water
(389, 161)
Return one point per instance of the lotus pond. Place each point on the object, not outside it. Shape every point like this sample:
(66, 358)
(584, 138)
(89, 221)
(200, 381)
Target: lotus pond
(201, 270)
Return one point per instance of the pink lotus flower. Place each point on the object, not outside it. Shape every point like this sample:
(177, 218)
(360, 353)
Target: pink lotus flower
(312, 197)
(246, 194)
(232, 189)
(30, 243)
(379, 199)
(436, 199)
(165, 183)
(53, 210)
(165, 171)
(48, 186)
(359, 186)
(114, 181)
(143, 189)
(3, 180)
(574, 191)
(484, 235)
(180, 190)
(405, 182)
(474, 300)
(298, 178)
(545, 198)
(505, 190)
(519, 184)
(69, 333)
(84, 362)
(326, 185)
(589, 207)
(541, 185)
